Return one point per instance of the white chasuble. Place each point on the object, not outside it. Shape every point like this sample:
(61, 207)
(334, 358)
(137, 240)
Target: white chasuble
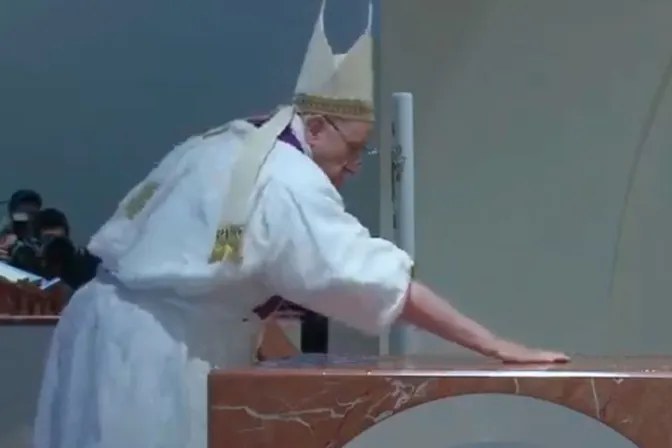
(129, 359)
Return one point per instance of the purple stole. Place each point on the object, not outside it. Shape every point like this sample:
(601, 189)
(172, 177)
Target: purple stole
(277, 303)
(286, 136)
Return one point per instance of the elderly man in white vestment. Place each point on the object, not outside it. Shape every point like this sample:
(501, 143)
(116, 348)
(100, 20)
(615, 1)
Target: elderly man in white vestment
(225, 221)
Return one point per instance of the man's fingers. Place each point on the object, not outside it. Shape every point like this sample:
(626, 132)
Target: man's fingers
(560, 358)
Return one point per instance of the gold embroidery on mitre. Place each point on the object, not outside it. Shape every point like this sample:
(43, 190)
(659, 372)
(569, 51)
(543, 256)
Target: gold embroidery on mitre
(228, 245)
(140, 199)
(344, 108)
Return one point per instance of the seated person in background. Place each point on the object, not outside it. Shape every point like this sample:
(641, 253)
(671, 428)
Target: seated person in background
(21, 208)
(23, 253)
(51, 223)
(58, 254)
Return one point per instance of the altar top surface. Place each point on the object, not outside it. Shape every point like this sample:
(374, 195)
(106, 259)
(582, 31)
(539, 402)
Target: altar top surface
(586, 367)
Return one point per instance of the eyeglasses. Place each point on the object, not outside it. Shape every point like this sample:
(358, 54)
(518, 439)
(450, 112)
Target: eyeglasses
(355, 148)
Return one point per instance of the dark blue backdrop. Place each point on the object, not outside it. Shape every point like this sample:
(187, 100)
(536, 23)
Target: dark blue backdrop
(93, 93)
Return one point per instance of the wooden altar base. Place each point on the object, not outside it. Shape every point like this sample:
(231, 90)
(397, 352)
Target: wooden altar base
(317, 401)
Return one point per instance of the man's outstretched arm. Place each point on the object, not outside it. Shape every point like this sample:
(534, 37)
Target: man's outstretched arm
(324, 259)
(425, 309)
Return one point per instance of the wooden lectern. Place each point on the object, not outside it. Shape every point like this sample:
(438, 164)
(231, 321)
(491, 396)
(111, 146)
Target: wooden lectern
(317, 402)
(22, 303)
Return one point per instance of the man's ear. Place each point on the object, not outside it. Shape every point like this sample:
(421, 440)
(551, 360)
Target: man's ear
(314, 125)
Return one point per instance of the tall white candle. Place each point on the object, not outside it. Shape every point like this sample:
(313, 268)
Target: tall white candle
(403, 196)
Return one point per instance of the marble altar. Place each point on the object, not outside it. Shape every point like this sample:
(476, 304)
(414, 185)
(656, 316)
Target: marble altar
(326, 401)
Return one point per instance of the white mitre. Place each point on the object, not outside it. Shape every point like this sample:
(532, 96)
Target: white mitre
(338, 85)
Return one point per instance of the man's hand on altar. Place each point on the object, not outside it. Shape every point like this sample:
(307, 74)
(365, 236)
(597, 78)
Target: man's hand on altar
(511, 352)
(425, 309)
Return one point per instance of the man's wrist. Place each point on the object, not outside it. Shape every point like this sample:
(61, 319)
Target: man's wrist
(488, 345)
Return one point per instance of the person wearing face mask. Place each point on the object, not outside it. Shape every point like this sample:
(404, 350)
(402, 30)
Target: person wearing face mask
(228, 219)
(17, 237)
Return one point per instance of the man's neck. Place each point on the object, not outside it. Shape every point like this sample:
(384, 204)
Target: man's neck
(293, 135)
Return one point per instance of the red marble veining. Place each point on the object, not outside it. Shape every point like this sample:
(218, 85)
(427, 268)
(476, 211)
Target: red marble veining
(322, 402)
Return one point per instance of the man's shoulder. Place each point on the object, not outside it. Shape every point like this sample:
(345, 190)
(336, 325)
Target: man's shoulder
(217, 137)
(234, 128)
(285, 166)
(295, 171)
(213, 149)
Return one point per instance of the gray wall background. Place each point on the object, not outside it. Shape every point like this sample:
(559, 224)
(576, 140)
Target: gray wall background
(528, 113)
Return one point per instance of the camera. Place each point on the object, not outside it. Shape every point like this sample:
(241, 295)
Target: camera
(42, 244)
(25, 254)
(43, 247)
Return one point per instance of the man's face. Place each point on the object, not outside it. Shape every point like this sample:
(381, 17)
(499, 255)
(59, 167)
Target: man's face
(22, 216)
(54, 232)
(337, 145)
(27, 207)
